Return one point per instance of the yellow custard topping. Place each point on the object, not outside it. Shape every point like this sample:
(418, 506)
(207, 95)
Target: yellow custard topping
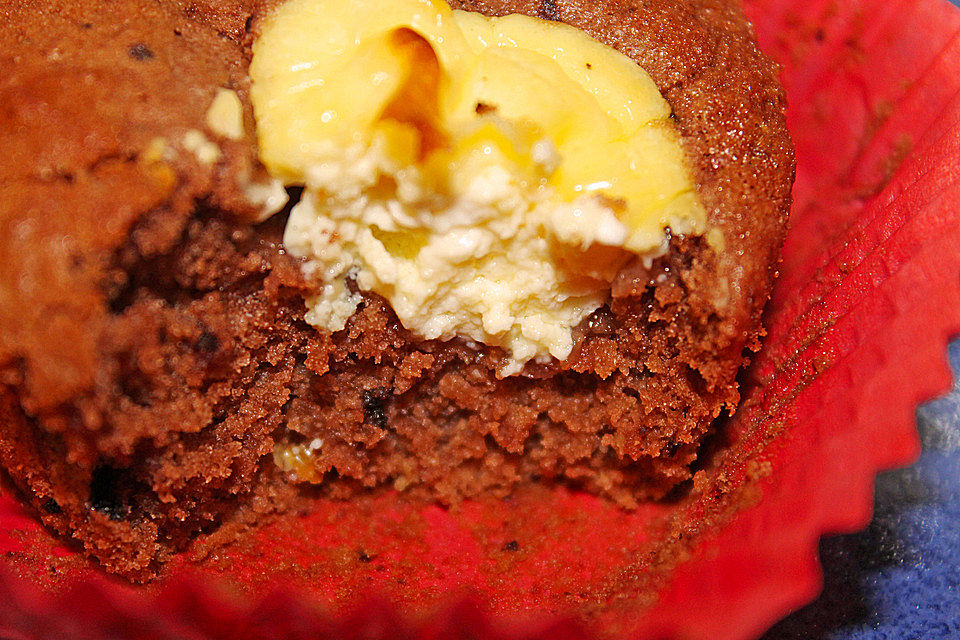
(487, 176)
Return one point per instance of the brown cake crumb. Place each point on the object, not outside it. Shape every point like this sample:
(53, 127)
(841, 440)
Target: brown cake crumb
(153, 352)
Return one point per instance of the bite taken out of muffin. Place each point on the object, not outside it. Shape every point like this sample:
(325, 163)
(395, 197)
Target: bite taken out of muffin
(335, 247)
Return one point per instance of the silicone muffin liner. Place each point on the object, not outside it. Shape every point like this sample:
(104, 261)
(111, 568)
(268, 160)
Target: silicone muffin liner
(869, 294)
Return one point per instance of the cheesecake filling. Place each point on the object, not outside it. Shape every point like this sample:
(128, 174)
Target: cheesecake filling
(488, 177)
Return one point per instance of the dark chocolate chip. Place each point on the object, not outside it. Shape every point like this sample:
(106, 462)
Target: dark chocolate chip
(50, 506)
(374, 411)
(548, 10)
(106, 493)
(140, 52)
(208, 342)
(513, 545)
(363, 557)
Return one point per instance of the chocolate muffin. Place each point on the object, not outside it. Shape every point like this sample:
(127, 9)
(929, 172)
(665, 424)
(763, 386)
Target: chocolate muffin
(160, 378)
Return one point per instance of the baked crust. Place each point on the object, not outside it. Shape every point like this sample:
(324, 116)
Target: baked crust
(152, 343)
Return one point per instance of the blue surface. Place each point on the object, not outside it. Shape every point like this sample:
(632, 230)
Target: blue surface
(899, 579)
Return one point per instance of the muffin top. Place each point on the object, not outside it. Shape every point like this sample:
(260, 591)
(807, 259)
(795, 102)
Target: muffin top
(105, 109)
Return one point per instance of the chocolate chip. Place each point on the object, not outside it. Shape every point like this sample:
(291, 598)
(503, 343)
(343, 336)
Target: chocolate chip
(374, 411)
(106, 493)
(363, 557)
(548, 10)
(208, 342)
(513, 545)
(140, 52)
(50, 506)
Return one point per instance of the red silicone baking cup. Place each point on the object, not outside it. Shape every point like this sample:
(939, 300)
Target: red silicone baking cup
(858, 325)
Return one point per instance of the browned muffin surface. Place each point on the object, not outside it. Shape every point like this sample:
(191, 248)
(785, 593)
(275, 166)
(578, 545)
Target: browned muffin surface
(152, 344)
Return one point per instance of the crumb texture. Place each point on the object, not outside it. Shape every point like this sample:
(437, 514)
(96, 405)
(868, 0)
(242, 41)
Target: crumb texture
(153, 351)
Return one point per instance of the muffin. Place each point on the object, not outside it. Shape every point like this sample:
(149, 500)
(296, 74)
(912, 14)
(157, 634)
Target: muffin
(171, 367)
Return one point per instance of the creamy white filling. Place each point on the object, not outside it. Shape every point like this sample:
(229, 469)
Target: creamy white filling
(481, 260)
(478, 211)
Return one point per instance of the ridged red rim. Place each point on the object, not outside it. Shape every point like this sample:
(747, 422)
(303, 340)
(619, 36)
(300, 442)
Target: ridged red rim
(869, 295)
